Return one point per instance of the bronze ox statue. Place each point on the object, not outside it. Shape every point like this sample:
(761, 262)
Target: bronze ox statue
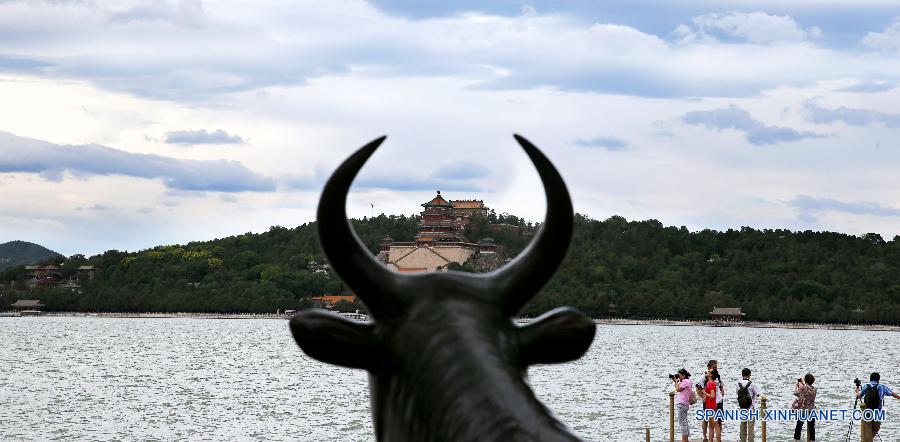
(446, 361)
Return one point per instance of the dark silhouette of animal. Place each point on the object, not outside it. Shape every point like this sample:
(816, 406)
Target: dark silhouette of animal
(446, 362)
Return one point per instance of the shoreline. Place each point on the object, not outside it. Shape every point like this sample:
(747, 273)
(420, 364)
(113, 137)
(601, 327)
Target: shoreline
(598, 321)
(748, 324)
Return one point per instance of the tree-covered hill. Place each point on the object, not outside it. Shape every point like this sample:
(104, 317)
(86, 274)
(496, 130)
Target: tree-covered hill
(15, 253)
(614, 268)
(643, 269)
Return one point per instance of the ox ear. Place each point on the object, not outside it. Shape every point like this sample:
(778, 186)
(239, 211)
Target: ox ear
(560, 335)
(334, 339)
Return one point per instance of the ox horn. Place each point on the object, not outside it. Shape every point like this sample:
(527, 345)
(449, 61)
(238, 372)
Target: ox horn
(375, 284)
(517, 282)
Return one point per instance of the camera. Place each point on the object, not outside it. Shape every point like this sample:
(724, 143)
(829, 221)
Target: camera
(673, 376)
(857, 382)
(799, 379)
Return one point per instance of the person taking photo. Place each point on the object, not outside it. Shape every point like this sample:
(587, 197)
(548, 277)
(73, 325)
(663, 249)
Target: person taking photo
(683, 402)
(709, 394)
(806, 400)
(701, 385)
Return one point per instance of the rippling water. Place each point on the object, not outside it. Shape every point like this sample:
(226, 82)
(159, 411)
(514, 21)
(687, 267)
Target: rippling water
(201, 379)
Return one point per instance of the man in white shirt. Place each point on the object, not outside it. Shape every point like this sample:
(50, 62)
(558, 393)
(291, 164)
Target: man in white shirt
(747, 392)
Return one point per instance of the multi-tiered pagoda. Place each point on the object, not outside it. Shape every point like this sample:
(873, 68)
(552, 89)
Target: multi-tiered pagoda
(439, 240)
(439, 224)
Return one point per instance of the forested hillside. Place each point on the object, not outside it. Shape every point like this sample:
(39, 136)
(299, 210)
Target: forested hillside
(15, 253)
(614, 267)
(644, 269)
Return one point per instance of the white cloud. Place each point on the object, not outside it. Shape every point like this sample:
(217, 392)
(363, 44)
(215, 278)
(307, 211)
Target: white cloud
(306, 83)
(188, 13)
(756, 27)
(887, 40)
(246, 47)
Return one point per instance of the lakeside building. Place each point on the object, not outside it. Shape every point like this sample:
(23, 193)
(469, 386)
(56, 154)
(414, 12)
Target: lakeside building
(328, 301)
(439, 239)
(28, 307)
(727, 314)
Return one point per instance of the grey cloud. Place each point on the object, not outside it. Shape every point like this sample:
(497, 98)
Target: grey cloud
(869, 86)
(19, 154)
(20, 64)
(812, 204)
(453, 176)
(401, 182)
(851, 116)
(412, 183)
(739, 119)
(461, 170)
(807, 218)
(54, 175)
(603, 142)
(202, 136)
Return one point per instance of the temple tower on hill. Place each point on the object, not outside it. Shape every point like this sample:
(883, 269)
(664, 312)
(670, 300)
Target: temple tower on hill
(438, 224)
(439, 240)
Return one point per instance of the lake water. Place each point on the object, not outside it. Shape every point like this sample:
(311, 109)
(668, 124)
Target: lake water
(73, 378)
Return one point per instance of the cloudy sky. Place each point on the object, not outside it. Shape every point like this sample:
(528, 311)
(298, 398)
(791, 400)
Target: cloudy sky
(128, 124)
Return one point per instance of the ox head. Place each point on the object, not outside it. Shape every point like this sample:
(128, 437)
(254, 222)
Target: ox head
(446, 361)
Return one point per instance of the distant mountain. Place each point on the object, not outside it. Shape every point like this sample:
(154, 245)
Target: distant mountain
(15, 253)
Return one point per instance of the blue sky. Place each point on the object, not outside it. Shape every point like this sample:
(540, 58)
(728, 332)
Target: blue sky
(133, 123)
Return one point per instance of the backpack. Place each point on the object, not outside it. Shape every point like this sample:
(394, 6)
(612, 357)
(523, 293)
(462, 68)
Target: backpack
(743, 395)
(692, 399)
(872, 399)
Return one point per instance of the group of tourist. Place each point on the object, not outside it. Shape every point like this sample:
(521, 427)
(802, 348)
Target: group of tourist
(709, 391)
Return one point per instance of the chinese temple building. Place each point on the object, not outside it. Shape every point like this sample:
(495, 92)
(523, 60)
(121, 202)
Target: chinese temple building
(52, 276)
(44, 276)
(438, 223)
(727, 314)
(465, 209)
(439, 240)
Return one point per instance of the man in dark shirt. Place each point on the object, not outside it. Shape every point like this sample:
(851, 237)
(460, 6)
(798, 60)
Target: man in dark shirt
(883, 390)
